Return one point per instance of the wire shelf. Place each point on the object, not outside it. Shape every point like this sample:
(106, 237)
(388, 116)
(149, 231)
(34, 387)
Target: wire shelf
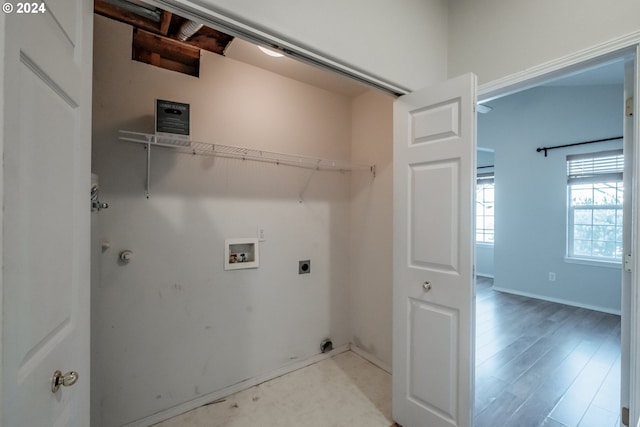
(221, 150)
(229, 151)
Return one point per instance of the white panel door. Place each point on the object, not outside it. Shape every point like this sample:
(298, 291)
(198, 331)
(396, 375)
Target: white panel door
(46, 138)
(433, 290)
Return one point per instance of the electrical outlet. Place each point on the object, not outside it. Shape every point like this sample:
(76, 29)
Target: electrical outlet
(304, 267)
(261, 234)
(552, 277)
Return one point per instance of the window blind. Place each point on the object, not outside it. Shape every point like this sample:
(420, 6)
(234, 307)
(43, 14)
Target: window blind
(595, 167)
(485, 178)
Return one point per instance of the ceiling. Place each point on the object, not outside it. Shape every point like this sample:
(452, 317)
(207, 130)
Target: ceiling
(249, 53)
(159, 39)
(607, 74)
(611, 73)
(156, 42)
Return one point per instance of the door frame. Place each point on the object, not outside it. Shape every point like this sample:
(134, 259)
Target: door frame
(2, 67)
(626, 46)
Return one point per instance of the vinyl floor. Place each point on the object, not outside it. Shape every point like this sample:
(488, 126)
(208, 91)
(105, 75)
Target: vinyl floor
(343, 391)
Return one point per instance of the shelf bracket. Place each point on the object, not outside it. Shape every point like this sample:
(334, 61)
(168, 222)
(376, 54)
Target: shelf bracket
(147, 191)
(306, 183)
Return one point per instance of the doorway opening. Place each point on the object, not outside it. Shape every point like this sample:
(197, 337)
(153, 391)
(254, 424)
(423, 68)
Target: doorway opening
(174, 297)
(548, 318)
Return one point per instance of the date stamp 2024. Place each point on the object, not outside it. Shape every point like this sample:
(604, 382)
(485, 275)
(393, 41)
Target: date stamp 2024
(24, 8)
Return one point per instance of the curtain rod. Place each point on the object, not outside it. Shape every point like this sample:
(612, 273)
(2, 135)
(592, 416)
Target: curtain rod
(545, 149)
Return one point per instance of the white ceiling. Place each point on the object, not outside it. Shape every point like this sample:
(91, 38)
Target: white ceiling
(240, 50)
(607, 74)
(246, 52)
(611, 73)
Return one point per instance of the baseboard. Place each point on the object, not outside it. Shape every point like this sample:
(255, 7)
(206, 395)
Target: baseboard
(558, 300)
(235, 388)
(371, 358)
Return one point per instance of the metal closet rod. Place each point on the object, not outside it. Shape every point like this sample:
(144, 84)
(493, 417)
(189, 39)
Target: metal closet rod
(545, 149)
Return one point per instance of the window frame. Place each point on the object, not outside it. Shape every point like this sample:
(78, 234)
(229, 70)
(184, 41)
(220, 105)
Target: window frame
(484, 178)
(600, 174)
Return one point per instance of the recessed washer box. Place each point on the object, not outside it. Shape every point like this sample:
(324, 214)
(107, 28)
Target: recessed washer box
(241, 253)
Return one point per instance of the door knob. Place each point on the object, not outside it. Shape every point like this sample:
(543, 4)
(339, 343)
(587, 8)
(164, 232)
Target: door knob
(66, 380)
(426, 286)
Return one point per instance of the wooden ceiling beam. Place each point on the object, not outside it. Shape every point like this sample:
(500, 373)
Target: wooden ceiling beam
(168, 64)
(211, 40)
(166, 47)
(165, 21)
(164, 52)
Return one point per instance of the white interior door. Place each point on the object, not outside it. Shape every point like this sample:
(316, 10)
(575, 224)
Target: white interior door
(433, 291)
(46, 136)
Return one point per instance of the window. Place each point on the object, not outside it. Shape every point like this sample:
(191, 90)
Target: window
(595, 191)
(484, 208)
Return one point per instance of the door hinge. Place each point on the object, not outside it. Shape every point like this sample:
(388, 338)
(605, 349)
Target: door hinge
(628, 107)
(627, 263)
(625, 416)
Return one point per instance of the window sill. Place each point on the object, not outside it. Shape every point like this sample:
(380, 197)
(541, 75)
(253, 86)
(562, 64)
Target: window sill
(484, 244)
(593, 262)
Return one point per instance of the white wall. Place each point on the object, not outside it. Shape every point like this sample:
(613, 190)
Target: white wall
(173, 325)
(495, 38)
(485, 260)
(370, 257)
(530, 237)
(403, 42)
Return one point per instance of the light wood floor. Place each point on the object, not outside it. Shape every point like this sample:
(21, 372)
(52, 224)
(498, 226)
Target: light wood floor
(544, 364)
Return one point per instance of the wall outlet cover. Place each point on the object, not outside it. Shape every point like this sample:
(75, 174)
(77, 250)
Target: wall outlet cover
(304, 267)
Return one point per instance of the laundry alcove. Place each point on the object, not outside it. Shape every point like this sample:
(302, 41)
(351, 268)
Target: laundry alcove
(172, 329)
